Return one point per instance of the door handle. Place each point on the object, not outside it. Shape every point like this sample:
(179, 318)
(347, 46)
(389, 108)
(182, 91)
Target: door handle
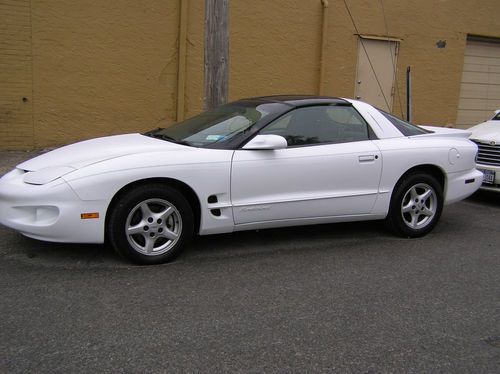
(367, 158)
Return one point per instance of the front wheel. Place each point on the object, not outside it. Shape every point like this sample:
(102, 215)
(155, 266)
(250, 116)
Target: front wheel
(150, 224)
(416, 205)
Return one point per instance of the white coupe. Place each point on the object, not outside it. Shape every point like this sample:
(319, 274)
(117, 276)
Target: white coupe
(251, 164)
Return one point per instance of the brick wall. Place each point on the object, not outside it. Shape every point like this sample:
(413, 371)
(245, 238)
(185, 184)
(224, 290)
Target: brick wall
(16, 87)
(73, 70)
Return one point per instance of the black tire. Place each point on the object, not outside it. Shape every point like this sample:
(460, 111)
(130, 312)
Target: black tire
(416, 205)
(150, 224)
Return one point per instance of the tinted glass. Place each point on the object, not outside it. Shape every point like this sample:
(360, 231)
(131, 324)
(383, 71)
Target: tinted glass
(320, 124)
(406, 128)
(218, 125)
(496, 117)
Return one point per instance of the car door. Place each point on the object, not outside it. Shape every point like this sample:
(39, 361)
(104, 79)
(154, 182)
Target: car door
(330, 168)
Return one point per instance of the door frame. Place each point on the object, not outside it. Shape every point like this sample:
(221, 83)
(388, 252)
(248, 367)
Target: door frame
(397, 42)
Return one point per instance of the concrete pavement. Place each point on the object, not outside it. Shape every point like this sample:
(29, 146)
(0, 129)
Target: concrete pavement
(346, 298)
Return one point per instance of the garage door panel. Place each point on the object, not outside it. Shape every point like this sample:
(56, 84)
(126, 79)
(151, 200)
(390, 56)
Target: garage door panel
(480, 86)
(480, 104)
(479, 68)
(489, 61)
(467, 118)
(486, 78)
(480, 91)
(482, 49)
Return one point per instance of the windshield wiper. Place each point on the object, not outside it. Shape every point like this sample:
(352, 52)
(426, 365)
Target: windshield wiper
(167, 138)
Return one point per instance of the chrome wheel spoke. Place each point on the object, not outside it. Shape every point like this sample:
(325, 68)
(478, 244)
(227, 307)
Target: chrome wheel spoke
(150, 243)
(407, 208)
(137, 229)
(423, 197)
(153, 227)
(413, 193)
(165, 214)
(427, 212)
(168, 234)
(414, 220)
(145, 210)
(418, 206)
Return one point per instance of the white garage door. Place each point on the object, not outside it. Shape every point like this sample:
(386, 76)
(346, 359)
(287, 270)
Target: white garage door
(480, 87)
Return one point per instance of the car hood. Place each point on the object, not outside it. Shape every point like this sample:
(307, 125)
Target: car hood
(78, 155)
(486, 131)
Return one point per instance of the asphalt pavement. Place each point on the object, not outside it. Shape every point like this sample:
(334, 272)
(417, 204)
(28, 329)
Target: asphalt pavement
(341, 298)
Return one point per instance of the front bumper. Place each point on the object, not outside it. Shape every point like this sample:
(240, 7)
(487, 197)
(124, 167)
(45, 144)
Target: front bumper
(496, 182)
(50, 212)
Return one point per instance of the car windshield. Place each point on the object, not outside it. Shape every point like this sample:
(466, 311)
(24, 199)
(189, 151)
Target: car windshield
(218, 125)
(496, 117)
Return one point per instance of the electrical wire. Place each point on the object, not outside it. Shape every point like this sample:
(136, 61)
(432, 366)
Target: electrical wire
(393, 58)
(367, 56)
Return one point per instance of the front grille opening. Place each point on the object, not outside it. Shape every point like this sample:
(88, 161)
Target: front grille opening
(488, 154)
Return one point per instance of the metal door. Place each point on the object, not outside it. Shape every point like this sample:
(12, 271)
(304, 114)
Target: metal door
(377, 62)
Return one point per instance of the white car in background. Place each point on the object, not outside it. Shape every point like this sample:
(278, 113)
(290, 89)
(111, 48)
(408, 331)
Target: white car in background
(251, 164)
(487, 137)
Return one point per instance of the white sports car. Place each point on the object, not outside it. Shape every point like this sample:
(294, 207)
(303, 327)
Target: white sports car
(487, 137)
(251, 164)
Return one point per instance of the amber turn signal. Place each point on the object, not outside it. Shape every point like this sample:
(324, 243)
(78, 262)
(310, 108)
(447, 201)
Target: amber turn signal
(89, 215)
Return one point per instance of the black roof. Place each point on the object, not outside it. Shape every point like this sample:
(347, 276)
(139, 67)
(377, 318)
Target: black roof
(300, 100)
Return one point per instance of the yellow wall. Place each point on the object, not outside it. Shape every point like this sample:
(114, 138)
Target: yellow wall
(16, 121)
(90, 67)
(275, 48)
(102, 67)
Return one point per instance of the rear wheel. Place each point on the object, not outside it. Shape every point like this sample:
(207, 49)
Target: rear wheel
(416, 205)
(150, 224)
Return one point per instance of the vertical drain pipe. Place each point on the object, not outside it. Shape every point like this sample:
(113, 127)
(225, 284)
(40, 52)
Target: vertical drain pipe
(181, 66)
(408, 95)
(324, 29)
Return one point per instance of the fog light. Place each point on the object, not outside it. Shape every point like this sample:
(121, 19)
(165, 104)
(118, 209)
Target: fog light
(37, 215)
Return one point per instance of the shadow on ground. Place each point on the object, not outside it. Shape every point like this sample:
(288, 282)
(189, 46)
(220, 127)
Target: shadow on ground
(242, 244)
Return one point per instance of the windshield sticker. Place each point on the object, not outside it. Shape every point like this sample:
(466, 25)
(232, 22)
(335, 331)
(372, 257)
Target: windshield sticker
(214, 137)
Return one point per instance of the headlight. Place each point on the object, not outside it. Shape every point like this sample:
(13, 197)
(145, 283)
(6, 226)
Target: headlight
(47, 175)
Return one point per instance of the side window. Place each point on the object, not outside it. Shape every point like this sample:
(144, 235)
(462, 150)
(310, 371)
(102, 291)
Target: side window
(320, 124)
(405, 128)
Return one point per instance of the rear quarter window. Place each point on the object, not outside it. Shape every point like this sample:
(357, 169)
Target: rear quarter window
(406, 128)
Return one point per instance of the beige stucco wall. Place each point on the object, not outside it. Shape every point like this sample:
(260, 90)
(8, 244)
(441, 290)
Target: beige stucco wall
(89, 68)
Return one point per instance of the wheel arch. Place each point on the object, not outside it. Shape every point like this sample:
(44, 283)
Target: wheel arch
(394, 218)
(431, 169)
(182, 187)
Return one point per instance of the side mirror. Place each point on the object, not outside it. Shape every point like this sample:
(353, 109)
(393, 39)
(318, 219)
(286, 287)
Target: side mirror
(268, 142)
